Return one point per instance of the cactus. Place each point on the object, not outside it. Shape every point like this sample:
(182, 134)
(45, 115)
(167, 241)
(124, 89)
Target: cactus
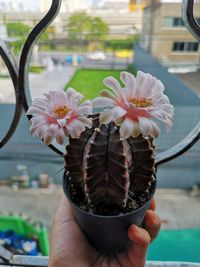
(108, 170)
(109, 161)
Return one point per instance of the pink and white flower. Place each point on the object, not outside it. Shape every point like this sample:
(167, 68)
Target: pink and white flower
(58, 115)
(135, 106)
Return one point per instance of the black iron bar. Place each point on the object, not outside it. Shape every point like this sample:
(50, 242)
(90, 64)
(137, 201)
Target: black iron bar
(189, 20)
(13, 71)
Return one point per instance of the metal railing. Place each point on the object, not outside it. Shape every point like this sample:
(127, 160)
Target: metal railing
(20, 79)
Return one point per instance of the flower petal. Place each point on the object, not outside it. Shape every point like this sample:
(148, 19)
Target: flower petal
(118, 112)
(85, 108)
(73, 97)
(106, 116)
(130, 83)
(155, 129)
(87, 122)
(41, 131)
(52, 115)
(78, 128)
(52, 129)
(71, 131)
(147, 127)
(48, 139)
(60, 136)
(103, 102)
(108, 94)
(136, 129)
(126, 128)
(113, 84)
(35, 111)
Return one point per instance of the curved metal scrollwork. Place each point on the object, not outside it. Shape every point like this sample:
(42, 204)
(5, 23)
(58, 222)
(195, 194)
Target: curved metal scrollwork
(21, 79)
(13, 71)
(180, 148)
(27, 52)
(188, 17)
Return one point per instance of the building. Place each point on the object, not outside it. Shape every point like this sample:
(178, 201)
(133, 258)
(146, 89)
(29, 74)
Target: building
(165, 36)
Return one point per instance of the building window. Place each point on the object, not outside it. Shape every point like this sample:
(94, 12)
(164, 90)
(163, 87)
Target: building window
(185, 47)
(173, 22)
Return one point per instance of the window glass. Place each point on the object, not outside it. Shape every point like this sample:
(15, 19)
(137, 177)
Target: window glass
(185, 46)
(173, 22)
(168, 22)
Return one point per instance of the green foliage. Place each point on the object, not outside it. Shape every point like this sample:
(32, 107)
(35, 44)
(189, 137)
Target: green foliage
(132, 69)
(98, 29)
(79, 25)
(49, 33)
(36, 69)
(17, 29)
(121, 44)
(20, 31)
(84, 27)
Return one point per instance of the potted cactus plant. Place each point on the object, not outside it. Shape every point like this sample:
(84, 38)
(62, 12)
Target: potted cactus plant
(110, 174)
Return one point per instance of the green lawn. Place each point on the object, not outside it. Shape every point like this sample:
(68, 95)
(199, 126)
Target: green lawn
(36, 69)
(89, 82)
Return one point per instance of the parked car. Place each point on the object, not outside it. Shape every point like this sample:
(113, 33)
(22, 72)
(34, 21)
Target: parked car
(97, 55)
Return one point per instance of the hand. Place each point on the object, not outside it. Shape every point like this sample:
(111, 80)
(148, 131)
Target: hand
(70, 248)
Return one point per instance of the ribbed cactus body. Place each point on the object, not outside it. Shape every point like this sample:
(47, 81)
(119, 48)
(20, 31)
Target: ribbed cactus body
(109, 170)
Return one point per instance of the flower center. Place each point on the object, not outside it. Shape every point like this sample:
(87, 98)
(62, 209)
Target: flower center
(141, 102)
(61, 111)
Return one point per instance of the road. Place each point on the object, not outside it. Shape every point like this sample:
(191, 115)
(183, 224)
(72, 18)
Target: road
(110, 61)
(55, 78)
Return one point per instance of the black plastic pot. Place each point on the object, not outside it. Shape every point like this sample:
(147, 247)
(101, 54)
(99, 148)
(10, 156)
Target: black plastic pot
(108, 234)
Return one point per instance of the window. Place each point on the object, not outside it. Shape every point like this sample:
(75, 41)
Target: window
(173, 22)
(185, 47)
(168, 22)
(176, 22)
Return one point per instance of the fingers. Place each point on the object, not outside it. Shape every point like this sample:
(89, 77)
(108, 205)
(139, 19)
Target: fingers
(141, 237)
(152, 204)
(138, 249)
(152, 224)
(138, 235)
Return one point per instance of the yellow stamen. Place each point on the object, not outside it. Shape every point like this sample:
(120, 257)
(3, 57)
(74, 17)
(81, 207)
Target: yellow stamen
(61, 111)
(141, 102)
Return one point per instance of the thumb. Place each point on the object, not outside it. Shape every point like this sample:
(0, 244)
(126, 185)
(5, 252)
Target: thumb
(138, 248)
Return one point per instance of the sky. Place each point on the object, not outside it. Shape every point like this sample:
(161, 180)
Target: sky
(28, 4)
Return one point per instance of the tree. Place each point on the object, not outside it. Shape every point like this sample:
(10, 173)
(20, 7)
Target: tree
(79, 25)
(17, 29)
(84, 27)
(20, 31)
(98, 29)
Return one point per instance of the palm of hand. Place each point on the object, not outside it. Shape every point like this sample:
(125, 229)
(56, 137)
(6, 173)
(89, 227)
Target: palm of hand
(70, 248)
